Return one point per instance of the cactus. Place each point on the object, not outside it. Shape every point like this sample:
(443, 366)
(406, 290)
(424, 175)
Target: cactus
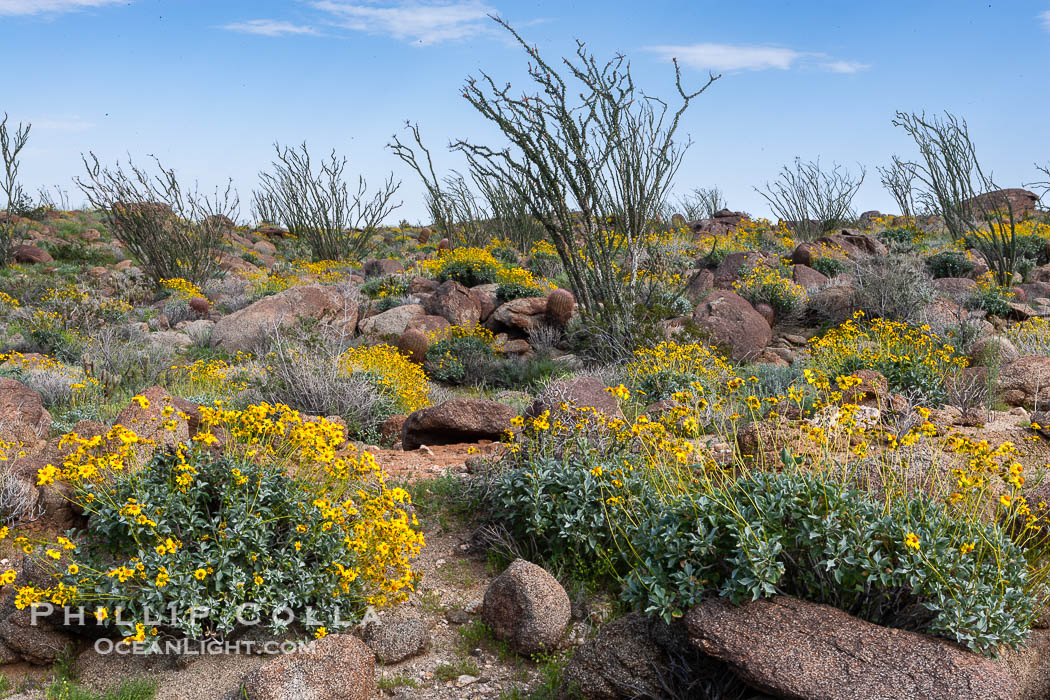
(424, 235)
(413, 344)
(560, 305)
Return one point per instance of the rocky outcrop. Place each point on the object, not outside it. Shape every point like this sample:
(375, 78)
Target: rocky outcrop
(456, 420)
(1026, 382)
(455, 303)
(250, 327)
(792, 648)
(733, 324)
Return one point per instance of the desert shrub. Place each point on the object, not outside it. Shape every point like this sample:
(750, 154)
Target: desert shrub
(393, 375)
(772, 286)
(19, 502)
(814, 200)
(1032, 337)
(595, 169)
(990, 297)
(543, 259)
(661, 371)
(319, 206)
(912, 358)
(830, 266)
(473, 266)
(313, 382)
(956, 187)
(122, 357)
(899, 238)
(949, 263)
(912, 565)
(77, 252)
(11, 144)
(285, 515)
(513, 290)
(895, 287)
(171, 232)
(385, 286)
(461, 354)
(364, 385)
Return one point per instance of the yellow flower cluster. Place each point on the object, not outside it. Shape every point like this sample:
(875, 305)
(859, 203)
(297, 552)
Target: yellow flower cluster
(697, 362)
(772, 286)
(182, 289)
(393, 374)
(345, 487)
(483, 264)
(472, 331)
(8, 300)
(860, 343)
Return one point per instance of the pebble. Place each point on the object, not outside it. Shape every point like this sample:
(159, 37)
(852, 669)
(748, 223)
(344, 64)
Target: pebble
(465, 680)
(473, 607)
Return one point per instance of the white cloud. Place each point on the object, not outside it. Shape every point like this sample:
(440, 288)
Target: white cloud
(269, 27)
(39, 7)
(844, 66)
(1045, 16)
(729, 56)
(418, 21)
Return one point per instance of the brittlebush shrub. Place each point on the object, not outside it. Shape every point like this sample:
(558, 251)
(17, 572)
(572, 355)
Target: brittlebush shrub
(913, 566)
(773, 286)
(629, 502)
(665, 369)
(912, 358)
(261, 507)
(461, 354)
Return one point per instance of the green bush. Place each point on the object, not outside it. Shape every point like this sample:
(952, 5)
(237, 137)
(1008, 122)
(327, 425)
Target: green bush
(830, 266)
(385, 286)
(950, 263)
(801, 535)
(231, 544)
(515, 290)
(767, 534)
(995, 300)
(460, 360)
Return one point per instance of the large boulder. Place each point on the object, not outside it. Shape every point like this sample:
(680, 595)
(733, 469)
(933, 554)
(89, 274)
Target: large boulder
(792, 648)
(30, 254)
(456, 420)
(1021, 203)
(853, 244)
(23, 417)
(720, 223)
(637, 656)
(733, 324)
(808, 278)
(520, 315)
(736, 264)
(1026, 381)
(393, 322)
(576, 392)
(455, 302)
(249, 328)
(527, 607)
(336, 667)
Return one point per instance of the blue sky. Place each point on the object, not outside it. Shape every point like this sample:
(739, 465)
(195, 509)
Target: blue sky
(209, 85)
